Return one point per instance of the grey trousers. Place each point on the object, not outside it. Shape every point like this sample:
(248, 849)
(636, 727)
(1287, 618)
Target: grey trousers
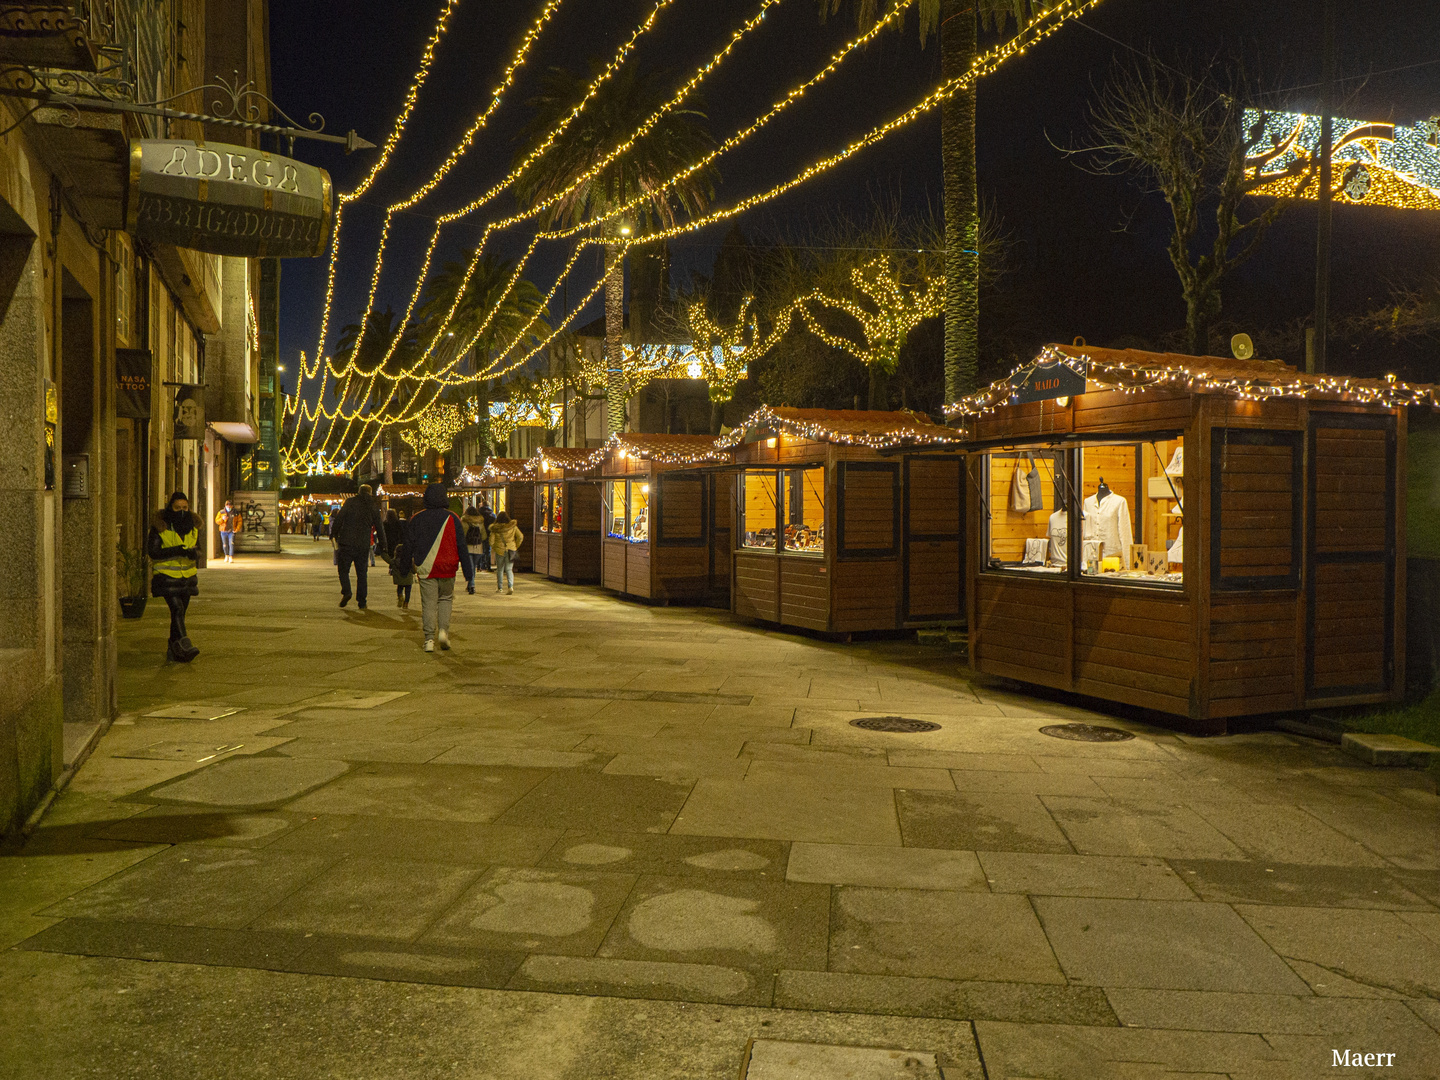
(437, 595)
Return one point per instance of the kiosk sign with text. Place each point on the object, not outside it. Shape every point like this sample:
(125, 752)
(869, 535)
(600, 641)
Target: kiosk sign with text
(1044, 382)
(228, 200)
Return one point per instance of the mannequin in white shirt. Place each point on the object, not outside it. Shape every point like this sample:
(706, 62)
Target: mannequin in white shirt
(1058, 549)
(1107, 519)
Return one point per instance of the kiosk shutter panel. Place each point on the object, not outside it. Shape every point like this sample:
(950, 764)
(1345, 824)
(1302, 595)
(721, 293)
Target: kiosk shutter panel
(868, 512)
(681, 508)
(1352, 555)
(1255, 509)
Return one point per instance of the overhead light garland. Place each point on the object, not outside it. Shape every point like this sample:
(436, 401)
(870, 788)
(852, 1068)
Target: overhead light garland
(624, 147)
(874, 430)
(1039, 28)
(1257, 384)
(426, 60)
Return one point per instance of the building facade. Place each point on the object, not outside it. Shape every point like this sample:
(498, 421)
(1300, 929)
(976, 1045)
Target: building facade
(101, 334)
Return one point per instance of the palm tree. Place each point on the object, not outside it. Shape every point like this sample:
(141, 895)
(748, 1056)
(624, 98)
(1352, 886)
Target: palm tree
(959, 42)
(622, 104)
(515, 314)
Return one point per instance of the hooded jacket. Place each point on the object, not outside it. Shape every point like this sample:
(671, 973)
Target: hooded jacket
(171, 547)
(435, 541)
(507, 537)
(351, 525)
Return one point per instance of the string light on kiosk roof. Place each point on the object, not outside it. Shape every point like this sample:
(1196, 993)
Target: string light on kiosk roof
(1252, 380)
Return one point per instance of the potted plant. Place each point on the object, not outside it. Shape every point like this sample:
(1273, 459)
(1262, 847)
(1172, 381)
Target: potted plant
(130, 567)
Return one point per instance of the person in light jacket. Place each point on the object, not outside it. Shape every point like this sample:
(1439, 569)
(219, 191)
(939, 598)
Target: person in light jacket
(505, 540)
(171, 545)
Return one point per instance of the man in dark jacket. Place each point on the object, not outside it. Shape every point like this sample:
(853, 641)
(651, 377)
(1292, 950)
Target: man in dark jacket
(350, 531)
(437, 548)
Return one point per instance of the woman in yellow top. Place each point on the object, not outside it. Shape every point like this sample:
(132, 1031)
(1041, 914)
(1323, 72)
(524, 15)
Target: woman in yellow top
(171, 545)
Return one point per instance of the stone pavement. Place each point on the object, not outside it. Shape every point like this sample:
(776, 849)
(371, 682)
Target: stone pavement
(599, 839)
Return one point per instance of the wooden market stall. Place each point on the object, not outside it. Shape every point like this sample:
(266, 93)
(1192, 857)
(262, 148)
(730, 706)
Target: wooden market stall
(666, 519)
(847, 520)
(567, 514)
(508, 485)
(1205, 537)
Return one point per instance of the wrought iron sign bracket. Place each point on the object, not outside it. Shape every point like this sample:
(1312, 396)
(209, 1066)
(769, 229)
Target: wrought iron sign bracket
(48, 88)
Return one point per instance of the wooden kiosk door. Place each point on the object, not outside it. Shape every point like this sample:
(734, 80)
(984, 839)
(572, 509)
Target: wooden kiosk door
(933, 536)
(1350, 549)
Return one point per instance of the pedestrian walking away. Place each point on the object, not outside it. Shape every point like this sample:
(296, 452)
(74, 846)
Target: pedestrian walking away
(171, 545)
(505, 540)
(488, 516)
(476, 535)
(397, 557)
(350, 532)
(229, 521)
(437, 547)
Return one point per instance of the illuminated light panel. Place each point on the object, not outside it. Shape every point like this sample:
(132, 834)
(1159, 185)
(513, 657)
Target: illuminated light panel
(1372, 164)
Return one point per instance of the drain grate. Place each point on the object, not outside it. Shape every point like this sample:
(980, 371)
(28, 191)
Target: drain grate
(1086, 733)
(902, 725)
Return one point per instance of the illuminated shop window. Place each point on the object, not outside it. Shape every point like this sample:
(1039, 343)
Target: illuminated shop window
(615, 509)
(1116, 509)
(804, 500)
(758, 502)
(557, 507)
(639, 512)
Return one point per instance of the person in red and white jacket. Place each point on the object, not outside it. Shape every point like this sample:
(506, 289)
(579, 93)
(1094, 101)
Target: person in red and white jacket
(438, 548)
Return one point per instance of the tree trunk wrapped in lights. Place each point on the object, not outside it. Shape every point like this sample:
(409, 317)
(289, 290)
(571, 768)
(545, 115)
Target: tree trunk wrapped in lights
(615, 396)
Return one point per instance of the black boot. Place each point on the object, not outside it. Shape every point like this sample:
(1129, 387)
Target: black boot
(186, 652)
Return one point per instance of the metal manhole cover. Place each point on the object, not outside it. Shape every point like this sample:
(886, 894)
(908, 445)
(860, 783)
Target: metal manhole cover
(1086, 733)
(900, 724)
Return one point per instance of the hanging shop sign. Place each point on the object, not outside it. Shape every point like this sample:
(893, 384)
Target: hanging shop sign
(228, 200)
(189, 412)
(1043, 382)
(132, 383)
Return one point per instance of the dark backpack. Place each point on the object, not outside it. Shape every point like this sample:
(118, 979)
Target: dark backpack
(473, 537)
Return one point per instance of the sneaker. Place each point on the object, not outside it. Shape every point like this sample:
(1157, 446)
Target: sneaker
(429, 645)
(344, 599)
(444, 638)
(510, 590)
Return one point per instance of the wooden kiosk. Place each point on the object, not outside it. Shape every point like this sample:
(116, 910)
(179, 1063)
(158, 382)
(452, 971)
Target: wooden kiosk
(566, 539)
(666, 519)
(508, 484)
(847, 520)
(1209, 538)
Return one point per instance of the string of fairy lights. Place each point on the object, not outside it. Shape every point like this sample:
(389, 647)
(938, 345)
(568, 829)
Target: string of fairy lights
(875, 431)
(729, 144)
(427, 58)
(372, 417)
(1262, 381)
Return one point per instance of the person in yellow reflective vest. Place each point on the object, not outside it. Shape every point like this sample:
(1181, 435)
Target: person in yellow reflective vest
(171, 545)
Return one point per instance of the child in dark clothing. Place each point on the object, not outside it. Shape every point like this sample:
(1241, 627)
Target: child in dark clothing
(402, 573)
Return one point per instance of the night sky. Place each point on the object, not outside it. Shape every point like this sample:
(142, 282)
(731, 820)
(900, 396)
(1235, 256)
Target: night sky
(1089, 256)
